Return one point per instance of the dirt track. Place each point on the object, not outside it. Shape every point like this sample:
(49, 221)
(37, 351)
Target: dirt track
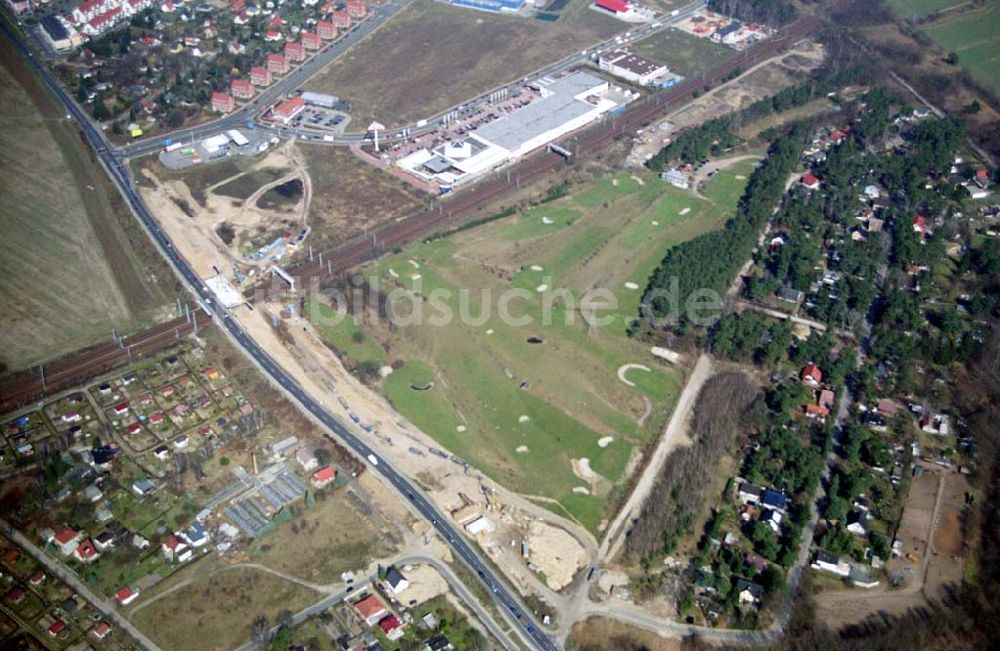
(671, 438)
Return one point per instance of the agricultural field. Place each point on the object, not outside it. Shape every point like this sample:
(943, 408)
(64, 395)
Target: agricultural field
(394, 78)
(551, 409)
(180, 619)
(975, 36)
(69, 269)
(911, 9)
(685, 54)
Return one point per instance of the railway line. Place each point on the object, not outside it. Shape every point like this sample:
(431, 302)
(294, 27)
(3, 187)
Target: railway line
(24, 388)
(466, 205)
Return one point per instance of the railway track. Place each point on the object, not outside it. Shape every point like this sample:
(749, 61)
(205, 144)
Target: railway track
(467, 205)
(23, 388)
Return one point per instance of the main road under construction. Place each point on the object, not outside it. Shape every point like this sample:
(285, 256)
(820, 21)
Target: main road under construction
(460, 209)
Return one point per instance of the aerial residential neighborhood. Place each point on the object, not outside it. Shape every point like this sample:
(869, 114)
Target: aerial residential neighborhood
(498, 324)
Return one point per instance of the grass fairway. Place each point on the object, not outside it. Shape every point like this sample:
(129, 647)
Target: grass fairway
(69, 268)
(975, 36)
(526, 411)
(217, 611)
(683, 53)
(432, 56)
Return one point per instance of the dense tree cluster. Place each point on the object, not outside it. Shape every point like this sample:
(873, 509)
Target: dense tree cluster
(770, 12)
(711, 138)
(712, 260)
(722, 414)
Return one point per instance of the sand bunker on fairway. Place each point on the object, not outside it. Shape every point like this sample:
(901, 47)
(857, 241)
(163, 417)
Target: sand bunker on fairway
(665, 353)
(392, 272)
(581, 490)
(614, 182)
(415, 277)
(631, 285)
(655, 223)
(547, 221)
(638, 180)
(625, 368)
(523, 419)
(489, 331)
(536, 267)
(460, 428)
(605, 441)
(385, 371)
(740, 177)
(685, 211)
(415, 264)
(582, 469)
(521, 449)
(541, 288)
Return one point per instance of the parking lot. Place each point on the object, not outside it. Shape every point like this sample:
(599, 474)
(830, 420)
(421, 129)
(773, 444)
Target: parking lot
(318, 118)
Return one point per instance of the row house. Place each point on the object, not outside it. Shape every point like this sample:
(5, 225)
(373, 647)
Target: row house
(356, 8)
(312, 40)
(277, 64)
(295, 52)
(326, 30)
(241, 89)
(223, 102)
(260, 76)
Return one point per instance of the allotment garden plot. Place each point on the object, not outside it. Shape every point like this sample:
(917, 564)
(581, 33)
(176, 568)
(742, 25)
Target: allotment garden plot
(554, 411)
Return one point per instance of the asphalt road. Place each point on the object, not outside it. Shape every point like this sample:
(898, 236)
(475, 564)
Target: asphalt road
(117, 169)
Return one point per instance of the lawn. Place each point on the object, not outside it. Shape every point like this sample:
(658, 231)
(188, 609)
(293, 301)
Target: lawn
(911, 9)
(216, 611)
(685, 54)
(525, 402)
(975, 36)
(68, 274)
(432, 56)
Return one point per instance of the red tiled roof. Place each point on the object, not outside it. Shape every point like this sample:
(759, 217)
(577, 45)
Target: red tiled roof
(66, 535)
(812, 372)
(369, 606)
(323, 475)
(809, 179)
(389, 623)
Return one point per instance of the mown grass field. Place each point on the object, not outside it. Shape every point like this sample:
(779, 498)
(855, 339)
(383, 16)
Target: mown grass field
(683, 53)
(70, 267)
(911, 9)
(432, 56)
(493, 390)
(975, 36)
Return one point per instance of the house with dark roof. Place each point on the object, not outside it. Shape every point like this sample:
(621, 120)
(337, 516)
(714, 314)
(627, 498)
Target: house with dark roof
(395, 580)
(773, 499)
(749, 593)
(857, 522)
